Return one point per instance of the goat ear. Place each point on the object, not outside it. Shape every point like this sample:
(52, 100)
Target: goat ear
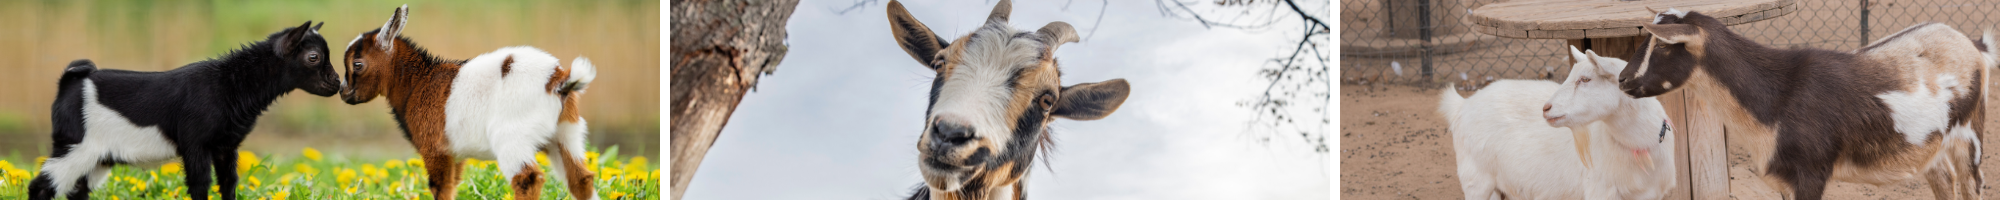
(1577, 56)
(290, 39)
(1674, 33)
(916, 39)
(1000, 11)
(1091, 101)
(321, 25)
(386, 37)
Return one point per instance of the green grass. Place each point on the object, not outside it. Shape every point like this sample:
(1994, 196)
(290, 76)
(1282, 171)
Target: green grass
(315, 176)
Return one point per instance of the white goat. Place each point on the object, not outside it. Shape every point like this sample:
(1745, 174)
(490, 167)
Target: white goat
(1507, 148)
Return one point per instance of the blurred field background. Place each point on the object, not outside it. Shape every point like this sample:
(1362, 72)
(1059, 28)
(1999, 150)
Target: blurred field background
(620, 37)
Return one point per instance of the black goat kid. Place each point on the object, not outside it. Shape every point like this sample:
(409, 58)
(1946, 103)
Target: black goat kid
(199, 112)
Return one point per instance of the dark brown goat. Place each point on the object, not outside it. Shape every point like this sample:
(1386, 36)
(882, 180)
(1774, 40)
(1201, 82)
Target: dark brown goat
(1908, 106)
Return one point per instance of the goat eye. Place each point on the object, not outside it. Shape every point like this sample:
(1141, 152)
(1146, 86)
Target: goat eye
(1584, 80)
(1046, 101)
(358, 66)
(312, 58)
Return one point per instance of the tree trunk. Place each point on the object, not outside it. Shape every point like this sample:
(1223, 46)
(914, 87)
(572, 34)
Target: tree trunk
(718, 49)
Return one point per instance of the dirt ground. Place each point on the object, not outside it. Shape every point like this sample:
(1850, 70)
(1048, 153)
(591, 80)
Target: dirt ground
(1393, 145)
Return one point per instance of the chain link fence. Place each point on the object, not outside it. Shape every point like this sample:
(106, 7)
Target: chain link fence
(1426, 42)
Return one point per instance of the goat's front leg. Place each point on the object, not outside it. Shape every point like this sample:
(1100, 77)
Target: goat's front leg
(442, 170)
(225, 172)
(198, 171)
(1804, 160)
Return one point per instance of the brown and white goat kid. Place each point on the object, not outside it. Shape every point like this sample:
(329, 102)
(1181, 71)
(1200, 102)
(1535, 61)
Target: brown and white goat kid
(504, 105)
(1908, 106)
(995, 91)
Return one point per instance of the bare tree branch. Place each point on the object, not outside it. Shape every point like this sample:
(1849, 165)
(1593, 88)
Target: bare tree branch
(857, 5)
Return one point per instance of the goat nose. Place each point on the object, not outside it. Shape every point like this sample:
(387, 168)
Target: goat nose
(1545, 107)
(950, 134)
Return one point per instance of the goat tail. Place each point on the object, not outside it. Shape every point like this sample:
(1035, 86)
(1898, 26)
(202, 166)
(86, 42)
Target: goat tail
(1449, 103)
(77, 70)
(581, 72)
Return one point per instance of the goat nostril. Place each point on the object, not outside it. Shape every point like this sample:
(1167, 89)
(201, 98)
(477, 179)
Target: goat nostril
(951, 133)
(1545, 107)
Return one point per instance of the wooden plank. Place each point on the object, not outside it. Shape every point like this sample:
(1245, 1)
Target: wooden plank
(1613, 32)
(1613, 16)
(1708, 162)
(1676, 107)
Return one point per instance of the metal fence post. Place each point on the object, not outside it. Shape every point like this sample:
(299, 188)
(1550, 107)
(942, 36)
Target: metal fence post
(1424, 33)
(1864, 22)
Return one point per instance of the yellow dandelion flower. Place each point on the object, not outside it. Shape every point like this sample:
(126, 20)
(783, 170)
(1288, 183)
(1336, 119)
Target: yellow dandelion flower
(609, 172)
(310, 153)
(614, 195)
(254, 182)
(41, 159)
(416, 162)
(369, 168)
(655, 175)
(114, 198)
(136, 185)
(346, 176)
(170, 168)
(590, 157)
(350, 190)
(18, 174)
(392, 164)
(287, 179)
(638, 160)
(282, 194)
(5, 166)
(245, 161)
(396, 185)
(542, 158)
(305, 169)
(636, 167)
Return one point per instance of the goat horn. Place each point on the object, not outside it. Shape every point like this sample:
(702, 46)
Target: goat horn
(1057, 33)
(1000, 11)
(1649, 9)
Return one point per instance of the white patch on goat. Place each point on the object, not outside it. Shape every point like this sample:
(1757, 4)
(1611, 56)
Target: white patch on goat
(1964, 132)
(107, 135)
(1670, 11)
(357, 38)
(1921, 111)
(976, 91)
(503, 118)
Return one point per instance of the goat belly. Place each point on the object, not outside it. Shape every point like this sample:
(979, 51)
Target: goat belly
(110, 133)
(499, 102)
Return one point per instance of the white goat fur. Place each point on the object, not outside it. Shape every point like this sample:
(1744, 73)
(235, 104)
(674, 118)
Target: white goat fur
(1505, 147)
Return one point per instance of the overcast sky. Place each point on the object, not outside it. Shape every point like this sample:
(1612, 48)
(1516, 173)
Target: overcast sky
(841, 117)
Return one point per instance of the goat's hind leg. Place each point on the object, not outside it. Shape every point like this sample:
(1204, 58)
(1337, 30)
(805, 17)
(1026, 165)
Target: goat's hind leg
(568, 164)
(514, 150)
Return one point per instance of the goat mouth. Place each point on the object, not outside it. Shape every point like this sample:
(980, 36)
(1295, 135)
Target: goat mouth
(948, 178)
(1553, 120)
